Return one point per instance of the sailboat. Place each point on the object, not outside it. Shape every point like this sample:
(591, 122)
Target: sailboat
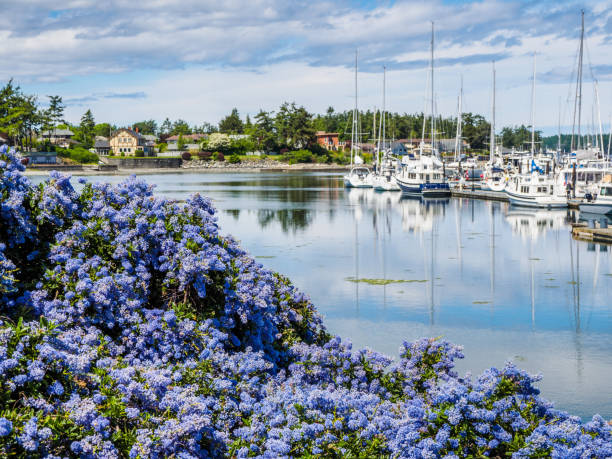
(494, 177)
(535, 189)
(424, 176)
(383, 179)
(358, 177)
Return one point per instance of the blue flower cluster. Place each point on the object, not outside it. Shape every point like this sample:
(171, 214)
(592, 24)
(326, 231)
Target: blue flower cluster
(132, 328)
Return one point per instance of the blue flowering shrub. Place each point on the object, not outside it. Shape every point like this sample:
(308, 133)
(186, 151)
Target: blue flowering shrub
(130, 327)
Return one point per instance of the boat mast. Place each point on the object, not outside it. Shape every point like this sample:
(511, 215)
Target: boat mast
(384, 112)
(610, 138)
(354, 130)
(578, 99)
(374, 138)
(601, 144)
(433, 132)
(559, 134)
(492, 143)
(459, 120)
(533, 108)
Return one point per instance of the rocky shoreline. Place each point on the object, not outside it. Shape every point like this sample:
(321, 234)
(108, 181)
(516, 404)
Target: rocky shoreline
(192, 166)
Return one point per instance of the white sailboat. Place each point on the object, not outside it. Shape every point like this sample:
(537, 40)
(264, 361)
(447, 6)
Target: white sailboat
(494, 176)
(358, 177)
(535, 189)
(424, 176)
(383, 179)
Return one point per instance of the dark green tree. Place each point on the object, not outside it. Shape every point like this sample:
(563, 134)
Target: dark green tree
(180, 127)
(231, 124)
(146, 127)
(87, 129)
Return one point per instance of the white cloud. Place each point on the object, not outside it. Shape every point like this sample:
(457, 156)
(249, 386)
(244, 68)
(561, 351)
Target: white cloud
(202, 58)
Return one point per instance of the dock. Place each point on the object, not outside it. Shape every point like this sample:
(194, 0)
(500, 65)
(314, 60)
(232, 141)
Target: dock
(572, 203)
(582, 232)
(480, 194)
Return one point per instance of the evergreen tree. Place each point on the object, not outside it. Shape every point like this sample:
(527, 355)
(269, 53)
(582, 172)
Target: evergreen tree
(87, 129)
(231, 124)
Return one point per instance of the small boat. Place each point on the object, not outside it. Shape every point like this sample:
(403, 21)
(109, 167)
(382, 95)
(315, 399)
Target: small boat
(358, 177)
(534, 190)
(599, 203)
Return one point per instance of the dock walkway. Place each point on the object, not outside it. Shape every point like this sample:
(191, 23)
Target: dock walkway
(583, 232)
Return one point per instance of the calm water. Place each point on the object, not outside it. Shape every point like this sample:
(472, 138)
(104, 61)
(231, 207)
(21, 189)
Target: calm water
(507, 284)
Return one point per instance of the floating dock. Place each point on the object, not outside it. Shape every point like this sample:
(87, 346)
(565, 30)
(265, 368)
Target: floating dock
(582, 232)
(498, 196)
(480, 194)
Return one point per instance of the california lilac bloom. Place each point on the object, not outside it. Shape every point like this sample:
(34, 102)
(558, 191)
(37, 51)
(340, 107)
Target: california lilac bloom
(131, 327)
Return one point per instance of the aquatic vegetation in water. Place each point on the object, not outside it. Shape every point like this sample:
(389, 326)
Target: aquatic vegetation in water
(382, 281)
(481, 302)
(130, 327)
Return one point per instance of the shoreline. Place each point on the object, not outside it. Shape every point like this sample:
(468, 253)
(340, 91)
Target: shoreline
(251, 168)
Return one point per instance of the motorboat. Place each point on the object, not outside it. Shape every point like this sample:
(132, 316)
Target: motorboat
(424, 177)
(535, 190)
(599, 202)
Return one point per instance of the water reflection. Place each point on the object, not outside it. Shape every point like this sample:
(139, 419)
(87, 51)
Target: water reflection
(506, 283)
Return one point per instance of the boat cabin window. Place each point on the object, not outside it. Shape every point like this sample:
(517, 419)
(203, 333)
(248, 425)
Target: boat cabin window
(606, 191)
(524, 189)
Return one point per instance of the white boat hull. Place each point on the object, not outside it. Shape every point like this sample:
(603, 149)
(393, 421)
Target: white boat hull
(542, 202)
(595, 208)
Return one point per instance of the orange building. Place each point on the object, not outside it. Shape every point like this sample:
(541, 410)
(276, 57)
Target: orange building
(328, 140)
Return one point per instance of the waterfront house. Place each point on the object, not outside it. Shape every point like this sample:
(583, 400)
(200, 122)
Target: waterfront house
(41, 157)
(101, 146)
(328, 140)
(60, 137)
(127, 142)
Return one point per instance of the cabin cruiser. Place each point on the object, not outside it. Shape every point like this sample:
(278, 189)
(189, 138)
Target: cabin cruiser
(599, 202)
(535, 190)
(586, 175)
(423, 176)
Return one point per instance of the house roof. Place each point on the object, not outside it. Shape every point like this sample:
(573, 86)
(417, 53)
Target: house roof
(149, 137)
(127, 131)
(101, 143)
(57, 132)
(323, 133)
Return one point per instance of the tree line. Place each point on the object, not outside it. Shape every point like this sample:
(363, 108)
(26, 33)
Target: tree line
(291, 127)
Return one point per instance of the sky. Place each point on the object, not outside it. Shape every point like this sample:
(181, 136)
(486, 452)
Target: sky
(197, 59)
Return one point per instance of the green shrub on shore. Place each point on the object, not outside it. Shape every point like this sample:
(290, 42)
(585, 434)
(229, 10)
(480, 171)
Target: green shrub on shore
(78, 154)
(234, 159)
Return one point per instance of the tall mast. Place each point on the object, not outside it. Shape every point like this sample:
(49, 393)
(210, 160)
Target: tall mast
(354, 130)
(578, 99)
(533, 107)
(384, 112)
(601, 146)
(492, 143)
(433, 132)
(559, 134)
(610, 138)
(374, 128)
(459, 120)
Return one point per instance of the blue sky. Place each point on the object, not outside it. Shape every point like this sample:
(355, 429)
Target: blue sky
(196, 59)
